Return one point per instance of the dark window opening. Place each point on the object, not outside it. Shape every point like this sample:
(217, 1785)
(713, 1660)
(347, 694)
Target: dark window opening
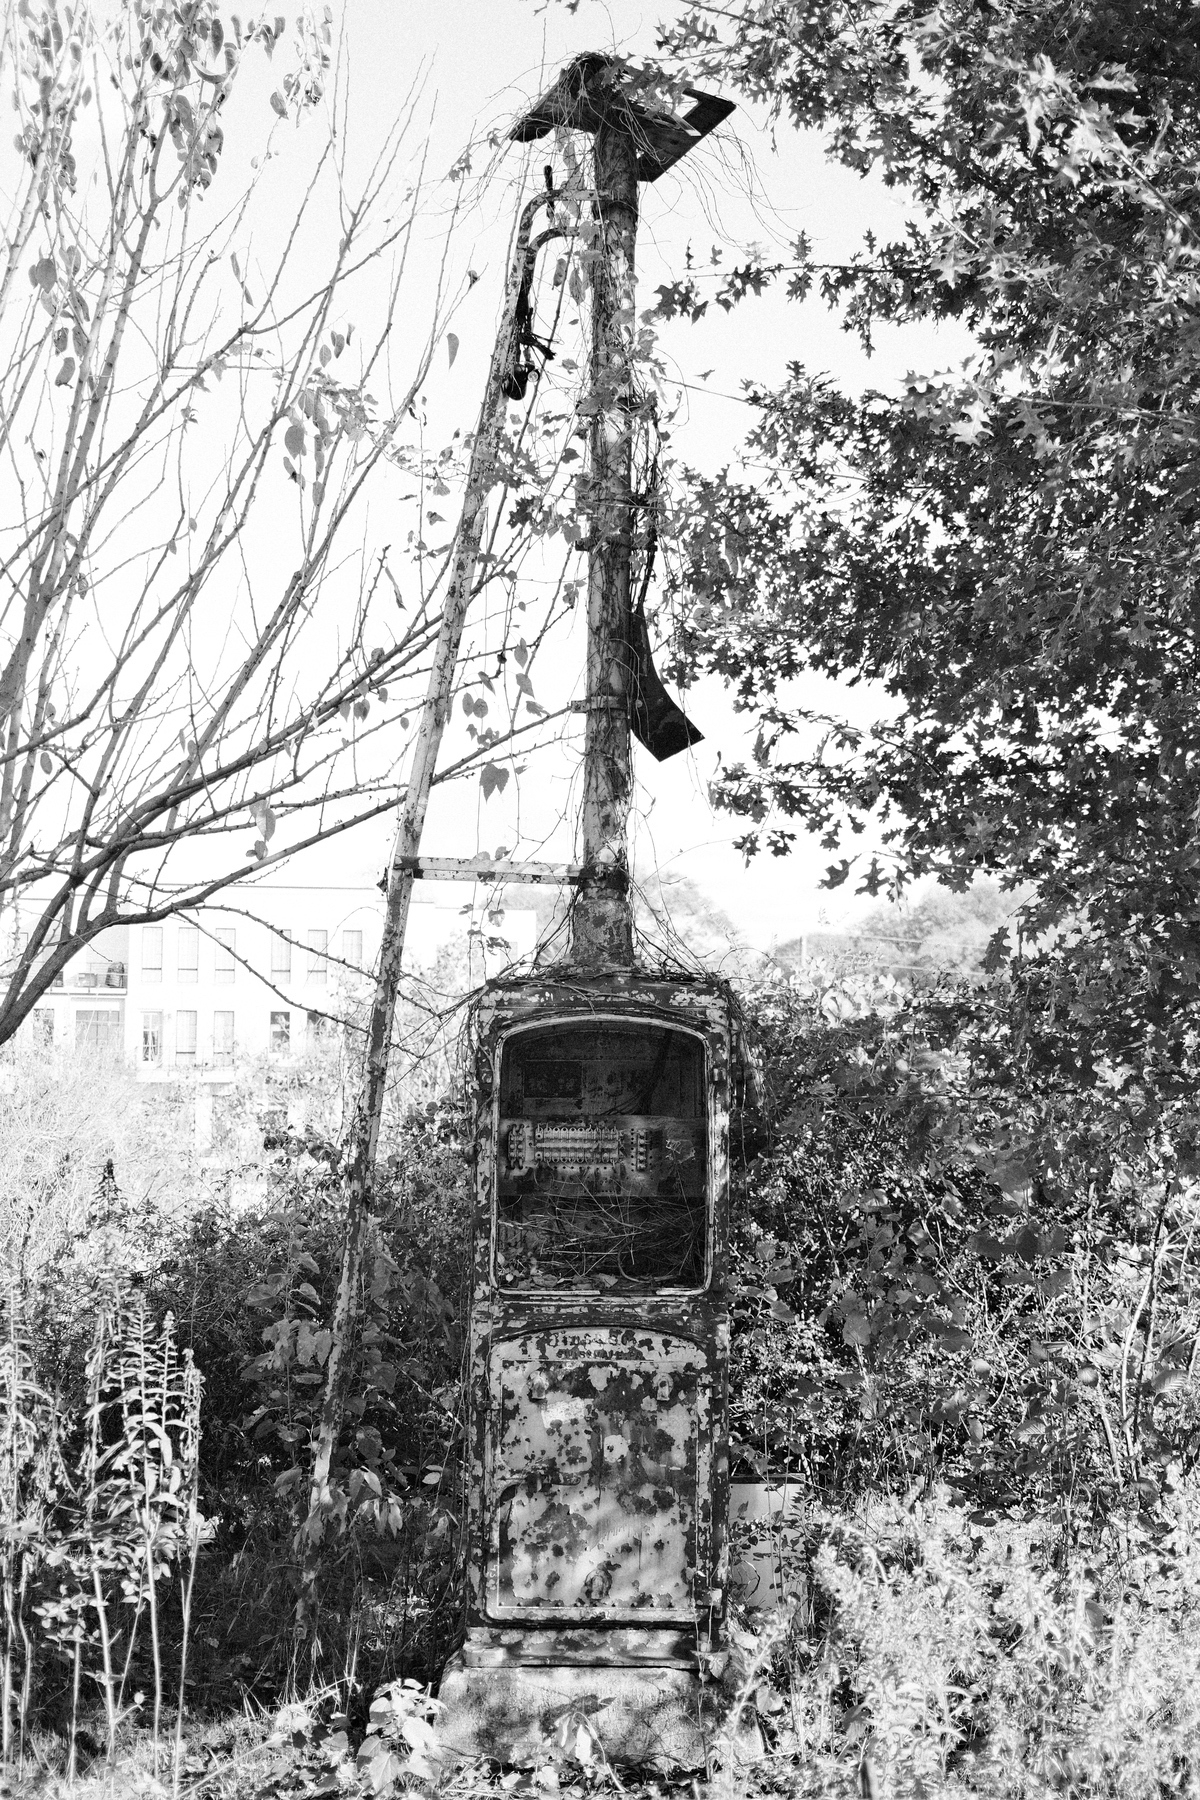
(98, 1031)
(602, 1158)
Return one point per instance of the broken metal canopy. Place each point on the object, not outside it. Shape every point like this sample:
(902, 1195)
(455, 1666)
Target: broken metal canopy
(597, 89)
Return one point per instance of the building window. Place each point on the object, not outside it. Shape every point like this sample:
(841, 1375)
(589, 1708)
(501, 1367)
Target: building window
(43, 1025)
(151, 1037)
(281, 1033)
(152, 952)
(185, 1037)
(281, 957)
(98, 1030)
(224, 964)
(223, 1040)
(189, 953)
(318, 944)
(352, 948)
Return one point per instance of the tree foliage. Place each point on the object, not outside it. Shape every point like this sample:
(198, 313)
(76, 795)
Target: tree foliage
(1027, 1336)
(1005, 549)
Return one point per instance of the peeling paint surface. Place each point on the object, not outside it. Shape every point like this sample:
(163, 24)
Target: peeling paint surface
(562, 1641)
(599, 1447)
(656, 1716)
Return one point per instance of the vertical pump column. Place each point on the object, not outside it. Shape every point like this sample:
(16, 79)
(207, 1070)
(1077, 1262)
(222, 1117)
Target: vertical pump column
(602, 923)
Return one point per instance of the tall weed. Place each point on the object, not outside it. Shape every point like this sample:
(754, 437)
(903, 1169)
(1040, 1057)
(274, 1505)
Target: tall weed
(100, 1517)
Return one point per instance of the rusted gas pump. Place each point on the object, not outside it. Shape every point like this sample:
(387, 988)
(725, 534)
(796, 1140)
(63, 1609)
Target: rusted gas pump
(599, 1349)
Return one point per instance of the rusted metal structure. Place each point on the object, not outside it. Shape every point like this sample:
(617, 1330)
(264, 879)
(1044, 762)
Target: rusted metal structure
(599, 1349)
(598, 1489)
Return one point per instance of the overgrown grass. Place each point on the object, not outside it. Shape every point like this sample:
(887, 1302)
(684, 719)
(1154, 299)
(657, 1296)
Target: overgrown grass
(1024, 1621)
(931, 1655)
(236, 1292)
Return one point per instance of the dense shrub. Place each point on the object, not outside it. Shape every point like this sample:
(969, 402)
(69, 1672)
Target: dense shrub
(253, 1292)
(935, 1657)
(953, 1286)
(918, 1300)
(242, 1256)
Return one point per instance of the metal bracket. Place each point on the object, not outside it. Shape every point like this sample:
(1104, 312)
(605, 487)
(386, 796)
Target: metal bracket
(588, 93)
(609, 703)
(462, 868)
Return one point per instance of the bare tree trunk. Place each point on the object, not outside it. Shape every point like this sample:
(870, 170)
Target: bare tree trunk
(601, 924)
(358, 1180)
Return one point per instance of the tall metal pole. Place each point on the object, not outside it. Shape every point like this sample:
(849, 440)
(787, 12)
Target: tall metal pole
(362, 1137)
(602, 924)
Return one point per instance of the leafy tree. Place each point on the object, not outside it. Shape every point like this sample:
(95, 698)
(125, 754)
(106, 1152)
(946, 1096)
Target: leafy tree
(1028, 1339)
(77, 1134)
(1008, 549)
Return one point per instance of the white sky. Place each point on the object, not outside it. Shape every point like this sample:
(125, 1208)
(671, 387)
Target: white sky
(478, 63)
(488, 65)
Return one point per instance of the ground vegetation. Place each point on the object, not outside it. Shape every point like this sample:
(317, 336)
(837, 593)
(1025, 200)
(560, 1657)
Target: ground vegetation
(207, 660)
(966, 1310)
(975, 1390)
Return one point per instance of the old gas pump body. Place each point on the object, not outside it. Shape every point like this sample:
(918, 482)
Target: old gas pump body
(599, 1351)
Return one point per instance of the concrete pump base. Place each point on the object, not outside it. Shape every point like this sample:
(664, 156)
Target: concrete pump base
(655, 1716)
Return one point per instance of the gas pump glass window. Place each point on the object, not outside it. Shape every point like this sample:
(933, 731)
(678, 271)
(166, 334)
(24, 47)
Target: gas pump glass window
(602, 1158)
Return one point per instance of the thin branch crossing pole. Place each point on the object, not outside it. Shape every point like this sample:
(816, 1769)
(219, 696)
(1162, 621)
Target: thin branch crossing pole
(358, 1178)
(602, 923)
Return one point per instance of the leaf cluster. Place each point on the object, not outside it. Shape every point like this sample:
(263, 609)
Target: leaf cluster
(1004, 553)
(946, 1272)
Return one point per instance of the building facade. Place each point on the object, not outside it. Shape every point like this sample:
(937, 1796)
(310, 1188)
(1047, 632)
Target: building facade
(202, 992)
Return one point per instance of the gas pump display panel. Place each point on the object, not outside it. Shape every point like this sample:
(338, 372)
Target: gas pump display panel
(602, 1166)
